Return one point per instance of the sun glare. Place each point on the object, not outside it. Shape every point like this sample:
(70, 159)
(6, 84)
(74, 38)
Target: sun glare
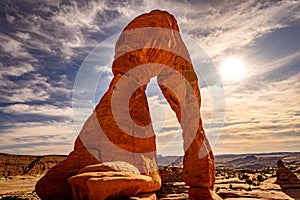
(232, 69)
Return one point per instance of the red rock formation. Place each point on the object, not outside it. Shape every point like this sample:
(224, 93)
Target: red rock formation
(54, 185)
(110, 167)
(284, 175)
(120, 129)
(288, 181)
(109, 180)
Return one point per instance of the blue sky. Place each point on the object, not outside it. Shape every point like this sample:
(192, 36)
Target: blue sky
(43, 45)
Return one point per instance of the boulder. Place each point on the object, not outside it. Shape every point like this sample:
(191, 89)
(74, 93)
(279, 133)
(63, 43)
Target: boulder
(203, 193)
(103, 185)
(54, 184)
(109, 180)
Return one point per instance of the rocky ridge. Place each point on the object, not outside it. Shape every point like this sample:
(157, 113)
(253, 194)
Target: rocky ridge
(14, 165)
(243, 161)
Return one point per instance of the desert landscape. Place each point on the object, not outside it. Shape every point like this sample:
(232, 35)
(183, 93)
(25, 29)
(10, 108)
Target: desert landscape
(148, 100)
(244, 176)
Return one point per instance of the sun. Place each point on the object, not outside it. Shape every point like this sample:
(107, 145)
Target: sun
(232, 69)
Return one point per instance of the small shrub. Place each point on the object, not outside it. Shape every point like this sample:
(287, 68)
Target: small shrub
(260, 178)
(245, 176)
(248, 181)
(256, 183)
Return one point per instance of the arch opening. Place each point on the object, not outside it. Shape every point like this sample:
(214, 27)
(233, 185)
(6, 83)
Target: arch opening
(164, 122)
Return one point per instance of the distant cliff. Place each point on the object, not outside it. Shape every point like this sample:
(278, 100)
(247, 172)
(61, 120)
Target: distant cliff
(14, 165)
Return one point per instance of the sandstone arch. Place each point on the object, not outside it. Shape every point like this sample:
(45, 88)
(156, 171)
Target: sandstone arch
(151, 40)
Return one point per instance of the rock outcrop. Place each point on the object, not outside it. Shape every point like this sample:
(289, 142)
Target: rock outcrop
(109, 180)
(284, 175)
(120, 128)
(288, 181)
(17, 165)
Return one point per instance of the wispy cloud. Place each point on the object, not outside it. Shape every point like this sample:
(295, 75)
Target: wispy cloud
(230, 26)
(267, 116)
(34, 87)
(15, 70)
(44, 110)
(38, 138)
(43, 45)
(13, 47)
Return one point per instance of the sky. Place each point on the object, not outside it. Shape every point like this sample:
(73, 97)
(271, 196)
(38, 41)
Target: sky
(44, 46)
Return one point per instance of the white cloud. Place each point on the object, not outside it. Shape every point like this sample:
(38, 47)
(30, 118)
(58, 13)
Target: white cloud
(45, 110)
(38, 138)
(220, 29)
(76, 18)
(275, 64)
(27, 94)
(217, 27)
(231, 26)
(14, 48)
(59, 34)
(72, 25)
(16, 70)
(23, 36)
(37, 88)
(10, 18)
(224, 26)
(265, 117)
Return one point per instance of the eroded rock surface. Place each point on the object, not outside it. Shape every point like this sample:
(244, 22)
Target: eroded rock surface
(120, 128)
(109, 180)
(288, 181)
(284, 175)
(110, 167)
(18, 165)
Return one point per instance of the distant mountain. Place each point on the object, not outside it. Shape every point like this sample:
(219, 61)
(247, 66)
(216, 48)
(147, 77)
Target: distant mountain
(257, 161)
(167, 160)
(249, 161)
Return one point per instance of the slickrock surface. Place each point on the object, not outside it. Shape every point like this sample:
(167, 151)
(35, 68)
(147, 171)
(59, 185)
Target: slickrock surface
(120, 129)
